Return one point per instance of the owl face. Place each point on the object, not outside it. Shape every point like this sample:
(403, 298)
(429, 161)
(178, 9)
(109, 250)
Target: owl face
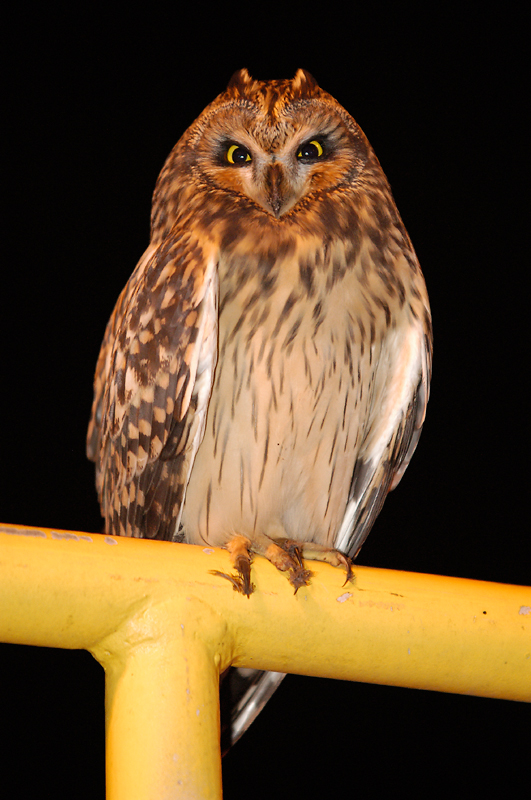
(277, 143)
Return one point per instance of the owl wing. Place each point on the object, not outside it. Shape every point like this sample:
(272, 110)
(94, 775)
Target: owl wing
(401, 391)
(152, 386)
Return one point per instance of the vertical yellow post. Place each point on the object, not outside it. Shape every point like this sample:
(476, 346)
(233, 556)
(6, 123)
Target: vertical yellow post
(162, 704)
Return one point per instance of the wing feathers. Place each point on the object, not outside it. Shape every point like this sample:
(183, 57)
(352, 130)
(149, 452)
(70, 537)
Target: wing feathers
(391, 434)
(152, 387)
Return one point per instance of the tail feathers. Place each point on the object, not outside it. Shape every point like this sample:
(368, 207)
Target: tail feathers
(244, 693)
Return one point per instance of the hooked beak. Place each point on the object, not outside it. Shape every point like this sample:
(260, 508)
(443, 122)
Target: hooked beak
(275, 188)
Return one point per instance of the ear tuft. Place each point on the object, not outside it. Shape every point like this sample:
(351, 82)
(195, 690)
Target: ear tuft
(240, 82)
(304, 84)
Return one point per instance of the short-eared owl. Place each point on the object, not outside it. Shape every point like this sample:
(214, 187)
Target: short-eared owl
(264, 376)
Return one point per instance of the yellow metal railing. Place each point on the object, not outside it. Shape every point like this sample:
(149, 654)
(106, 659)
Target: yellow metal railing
(163, 628)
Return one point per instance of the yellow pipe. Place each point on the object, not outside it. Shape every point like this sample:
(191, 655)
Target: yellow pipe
(162, 703)
(163, 627)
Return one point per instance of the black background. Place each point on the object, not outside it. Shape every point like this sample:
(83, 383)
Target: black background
(94, 101)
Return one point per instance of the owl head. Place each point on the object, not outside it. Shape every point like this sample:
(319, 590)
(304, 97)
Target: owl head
(274, 146)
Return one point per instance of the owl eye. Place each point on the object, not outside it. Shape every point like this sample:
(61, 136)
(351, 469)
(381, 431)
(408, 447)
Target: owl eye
(311, 151)
(236, 154)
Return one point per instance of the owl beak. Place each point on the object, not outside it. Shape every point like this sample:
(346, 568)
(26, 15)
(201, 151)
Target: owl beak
(275, 188)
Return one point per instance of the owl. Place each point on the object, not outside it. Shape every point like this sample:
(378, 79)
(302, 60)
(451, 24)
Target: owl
(263, 379)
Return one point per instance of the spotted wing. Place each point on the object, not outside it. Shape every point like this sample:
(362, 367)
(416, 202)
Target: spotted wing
(152, 386)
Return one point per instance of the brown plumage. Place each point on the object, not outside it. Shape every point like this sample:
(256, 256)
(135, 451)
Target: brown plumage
(265, 373)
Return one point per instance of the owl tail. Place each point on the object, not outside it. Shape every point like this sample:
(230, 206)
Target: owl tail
(243, 694)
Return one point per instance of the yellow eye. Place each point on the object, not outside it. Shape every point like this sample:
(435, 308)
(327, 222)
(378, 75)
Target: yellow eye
(237, 155)
(310, 151)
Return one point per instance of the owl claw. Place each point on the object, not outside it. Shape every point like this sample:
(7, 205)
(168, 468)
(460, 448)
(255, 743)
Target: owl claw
(240, 583)
(350, 574)
(293, 549)
(299, 577)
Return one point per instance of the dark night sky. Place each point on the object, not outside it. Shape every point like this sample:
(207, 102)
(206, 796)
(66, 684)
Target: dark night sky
(92, 106)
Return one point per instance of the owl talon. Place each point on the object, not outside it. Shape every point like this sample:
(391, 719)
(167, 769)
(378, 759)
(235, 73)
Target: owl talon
(299, 577)
(348, 566)
(240, 583)
(294, 549)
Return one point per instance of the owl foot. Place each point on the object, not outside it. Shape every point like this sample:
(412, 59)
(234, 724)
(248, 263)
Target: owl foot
(293, 563)
(285, 554)
(239, 548)
(319, 552)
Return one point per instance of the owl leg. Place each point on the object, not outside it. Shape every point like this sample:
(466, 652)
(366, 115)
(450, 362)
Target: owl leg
(285, 558)
(239, 548)
(285, 555)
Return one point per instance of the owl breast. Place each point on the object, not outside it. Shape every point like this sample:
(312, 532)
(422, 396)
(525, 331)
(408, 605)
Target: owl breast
(287, 410)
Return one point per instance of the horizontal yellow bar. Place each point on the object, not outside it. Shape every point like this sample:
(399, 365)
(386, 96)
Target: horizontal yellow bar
(75, 590)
